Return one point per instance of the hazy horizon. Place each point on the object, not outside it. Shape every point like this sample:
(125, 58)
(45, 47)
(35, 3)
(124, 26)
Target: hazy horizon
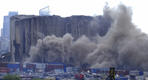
(74, 7)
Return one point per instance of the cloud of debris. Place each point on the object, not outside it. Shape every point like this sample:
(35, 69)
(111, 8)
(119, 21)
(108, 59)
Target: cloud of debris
(123, 46)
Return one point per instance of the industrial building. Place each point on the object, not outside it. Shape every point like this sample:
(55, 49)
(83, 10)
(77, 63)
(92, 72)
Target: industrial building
(6, 25)
(5, 32)
(25, 30)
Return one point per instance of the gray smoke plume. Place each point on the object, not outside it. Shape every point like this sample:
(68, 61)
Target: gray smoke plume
(62, 49)
(123, 46)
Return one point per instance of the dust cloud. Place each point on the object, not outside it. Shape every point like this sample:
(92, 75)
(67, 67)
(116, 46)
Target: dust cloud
(124, 45)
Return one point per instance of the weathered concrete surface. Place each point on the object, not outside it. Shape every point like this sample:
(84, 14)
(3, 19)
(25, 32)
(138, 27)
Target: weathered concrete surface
(26, 30)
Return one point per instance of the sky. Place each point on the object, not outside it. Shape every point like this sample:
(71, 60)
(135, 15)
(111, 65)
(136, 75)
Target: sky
(75, 7)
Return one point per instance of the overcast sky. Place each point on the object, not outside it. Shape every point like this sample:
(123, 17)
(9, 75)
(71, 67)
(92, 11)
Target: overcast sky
(75, 7)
